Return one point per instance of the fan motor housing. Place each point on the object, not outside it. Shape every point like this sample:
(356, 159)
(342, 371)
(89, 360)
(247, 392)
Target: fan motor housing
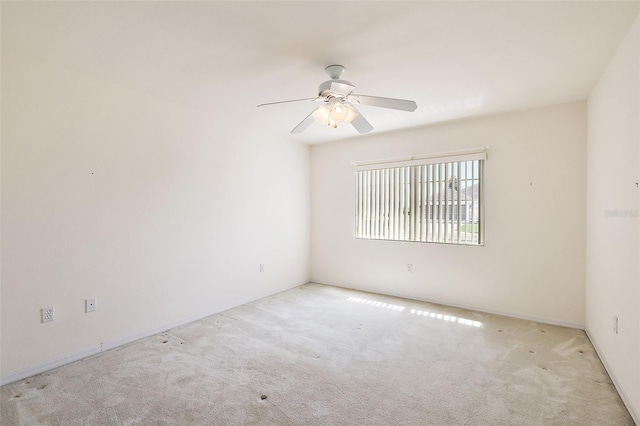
(339, 88)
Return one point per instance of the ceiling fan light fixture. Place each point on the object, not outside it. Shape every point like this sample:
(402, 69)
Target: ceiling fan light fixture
(333, 113)
(351, 114)
(339, 112)
(322, 114)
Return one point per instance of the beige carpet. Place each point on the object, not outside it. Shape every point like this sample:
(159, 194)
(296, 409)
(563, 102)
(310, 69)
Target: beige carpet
(320, 355)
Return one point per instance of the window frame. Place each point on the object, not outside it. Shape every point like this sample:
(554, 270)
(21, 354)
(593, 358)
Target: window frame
(403, 191)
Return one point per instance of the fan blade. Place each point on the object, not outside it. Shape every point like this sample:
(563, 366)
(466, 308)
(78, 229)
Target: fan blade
(360, 123)
(401, 104)
(304, 124)
(286, 102)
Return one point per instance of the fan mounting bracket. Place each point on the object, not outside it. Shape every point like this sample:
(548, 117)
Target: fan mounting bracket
(334, 71)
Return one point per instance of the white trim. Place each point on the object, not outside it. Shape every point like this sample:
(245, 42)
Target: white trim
(41, 368)
(623, 395)
(413, 160)
(458, 305)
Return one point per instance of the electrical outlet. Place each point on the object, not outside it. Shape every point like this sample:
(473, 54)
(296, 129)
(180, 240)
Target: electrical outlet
(615, 324)
(410, 268)
(90, 305)
(48, 314)
(263, 267)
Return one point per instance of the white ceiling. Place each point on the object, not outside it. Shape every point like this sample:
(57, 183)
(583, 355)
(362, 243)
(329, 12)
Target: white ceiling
(455, 59)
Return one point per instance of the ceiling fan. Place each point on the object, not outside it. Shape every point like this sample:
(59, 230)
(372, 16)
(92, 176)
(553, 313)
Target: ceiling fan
(338, 101)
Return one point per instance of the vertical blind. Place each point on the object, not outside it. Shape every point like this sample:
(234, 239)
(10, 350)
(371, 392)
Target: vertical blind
(437, 202)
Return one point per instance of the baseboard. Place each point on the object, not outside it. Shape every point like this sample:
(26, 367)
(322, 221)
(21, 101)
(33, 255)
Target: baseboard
(623, 395)
(50, 365)
(457, 305)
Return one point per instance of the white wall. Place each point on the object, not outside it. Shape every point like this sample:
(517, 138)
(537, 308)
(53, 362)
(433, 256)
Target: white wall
(533, 263)
(613, 241)
(157, 210)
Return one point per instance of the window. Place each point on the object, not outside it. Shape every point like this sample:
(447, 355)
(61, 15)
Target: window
(432, 199)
